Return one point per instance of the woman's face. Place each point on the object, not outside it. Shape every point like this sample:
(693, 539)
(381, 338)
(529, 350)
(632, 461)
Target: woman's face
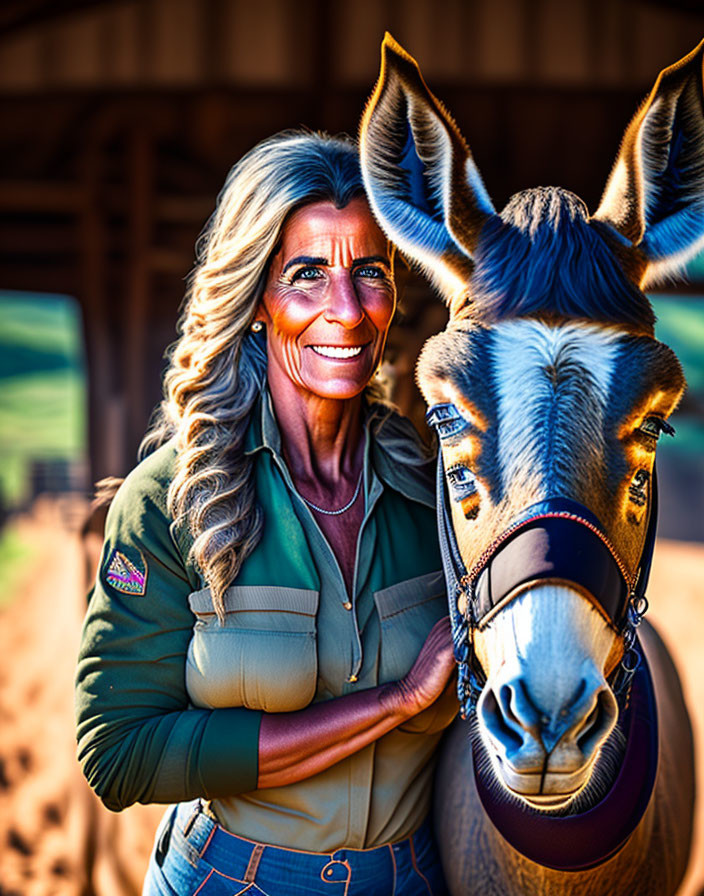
(328, 299)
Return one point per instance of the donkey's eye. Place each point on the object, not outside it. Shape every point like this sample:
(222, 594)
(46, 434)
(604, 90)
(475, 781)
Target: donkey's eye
(462, 482)
(653, 426)
(446, 420)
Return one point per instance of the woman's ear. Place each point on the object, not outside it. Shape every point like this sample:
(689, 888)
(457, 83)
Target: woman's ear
(655, 194)
(421, 181)
(261, 317)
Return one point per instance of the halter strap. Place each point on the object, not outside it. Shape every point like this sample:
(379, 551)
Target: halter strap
(646, 557)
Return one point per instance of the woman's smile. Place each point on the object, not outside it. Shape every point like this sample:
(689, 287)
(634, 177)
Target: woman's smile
(338, 352)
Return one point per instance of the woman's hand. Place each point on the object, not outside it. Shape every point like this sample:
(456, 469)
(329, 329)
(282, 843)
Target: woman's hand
(296, 745)
(431, 671)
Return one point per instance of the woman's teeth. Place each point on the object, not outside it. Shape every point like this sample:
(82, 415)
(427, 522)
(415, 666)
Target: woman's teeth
(337, 351)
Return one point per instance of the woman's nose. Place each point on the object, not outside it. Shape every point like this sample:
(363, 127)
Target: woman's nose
(343, 305)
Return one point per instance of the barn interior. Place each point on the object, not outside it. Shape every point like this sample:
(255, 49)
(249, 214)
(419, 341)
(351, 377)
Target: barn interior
(120, 121)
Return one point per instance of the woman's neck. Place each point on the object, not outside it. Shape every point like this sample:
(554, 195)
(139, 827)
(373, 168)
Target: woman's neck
(321, 438)
(323, 446)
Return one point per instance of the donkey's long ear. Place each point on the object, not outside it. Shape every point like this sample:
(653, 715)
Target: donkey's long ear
(655, 194)
(420, 177)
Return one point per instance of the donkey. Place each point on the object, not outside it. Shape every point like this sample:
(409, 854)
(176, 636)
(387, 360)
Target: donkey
(573, 773)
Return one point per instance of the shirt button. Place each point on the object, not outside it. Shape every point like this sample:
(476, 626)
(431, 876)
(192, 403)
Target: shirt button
(347, 605)
(329, 872)
(352, 678)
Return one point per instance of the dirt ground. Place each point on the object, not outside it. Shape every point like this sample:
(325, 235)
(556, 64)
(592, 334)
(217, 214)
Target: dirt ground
(55, 837)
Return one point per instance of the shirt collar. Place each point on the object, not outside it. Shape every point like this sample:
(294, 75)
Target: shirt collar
(263, 430)
(398, 456)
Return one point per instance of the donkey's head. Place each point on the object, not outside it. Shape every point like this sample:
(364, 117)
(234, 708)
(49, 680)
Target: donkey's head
(548, 393)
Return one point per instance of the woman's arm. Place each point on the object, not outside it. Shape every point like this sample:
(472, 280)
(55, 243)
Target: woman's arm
(296, 745)
(139, 740)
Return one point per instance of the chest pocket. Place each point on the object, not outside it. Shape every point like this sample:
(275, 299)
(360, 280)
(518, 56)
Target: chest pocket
(264, 656)
(407, 612)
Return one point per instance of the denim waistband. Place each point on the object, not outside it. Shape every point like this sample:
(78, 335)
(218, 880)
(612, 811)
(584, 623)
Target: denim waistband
(199, 838)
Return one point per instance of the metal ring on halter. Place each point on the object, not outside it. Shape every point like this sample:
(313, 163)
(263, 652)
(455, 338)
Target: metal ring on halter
(632, 665)
(641, 606)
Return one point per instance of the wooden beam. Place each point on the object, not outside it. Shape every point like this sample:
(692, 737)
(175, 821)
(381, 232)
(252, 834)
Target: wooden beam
(92, 238)
(40, 196)
(18, 14)
(183, 209)
(29, 275)
(213, 40)
(169, 261)
(22, 239)
(48, 197)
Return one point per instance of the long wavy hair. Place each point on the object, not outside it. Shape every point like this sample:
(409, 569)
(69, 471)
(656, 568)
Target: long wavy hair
(217, 367)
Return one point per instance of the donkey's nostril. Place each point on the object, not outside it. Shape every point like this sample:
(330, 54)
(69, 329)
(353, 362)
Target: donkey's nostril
(598, 723)
(590, 723)
(505, 700)
(500, 720)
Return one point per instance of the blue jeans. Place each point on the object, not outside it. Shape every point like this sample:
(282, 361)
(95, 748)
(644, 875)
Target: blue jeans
(194, 855)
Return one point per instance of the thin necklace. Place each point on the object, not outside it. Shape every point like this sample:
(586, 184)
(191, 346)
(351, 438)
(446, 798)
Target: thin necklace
(342, 509)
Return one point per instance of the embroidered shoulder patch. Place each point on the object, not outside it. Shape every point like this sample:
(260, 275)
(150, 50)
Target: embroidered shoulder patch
(125, 576)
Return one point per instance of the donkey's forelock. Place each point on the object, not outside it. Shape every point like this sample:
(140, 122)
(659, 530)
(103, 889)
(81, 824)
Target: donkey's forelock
(544, 256)
(531, 211)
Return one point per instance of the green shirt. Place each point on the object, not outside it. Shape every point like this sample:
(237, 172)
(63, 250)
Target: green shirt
(169, 701)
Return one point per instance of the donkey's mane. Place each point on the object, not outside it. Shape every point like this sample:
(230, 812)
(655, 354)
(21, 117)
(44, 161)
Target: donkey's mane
(544, 256)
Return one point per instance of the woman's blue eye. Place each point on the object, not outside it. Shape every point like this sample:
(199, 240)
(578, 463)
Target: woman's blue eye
(370, 271)
(307, 274)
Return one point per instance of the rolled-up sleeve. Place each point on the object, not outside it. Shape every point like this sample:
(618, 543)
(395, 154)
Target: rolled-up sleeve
(139, 739)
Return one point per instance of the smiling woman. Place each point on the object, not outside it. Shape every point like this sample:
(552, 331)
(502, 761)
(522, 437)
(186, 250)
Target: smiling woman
(279, 665)
(327, 305)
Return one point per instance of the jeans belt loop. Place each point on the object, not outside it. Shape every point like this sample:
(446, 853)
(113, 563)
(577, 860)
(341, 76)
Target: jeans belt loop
(192, 819)
(251, 872)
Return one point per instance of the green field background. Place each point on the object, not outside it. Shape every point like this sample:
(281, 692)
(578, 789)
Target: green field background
(42, 387)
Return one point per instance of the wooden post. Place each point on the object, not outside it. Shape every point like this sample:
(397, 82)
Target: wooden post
(322, 62)
(92, 241)
(141, 205)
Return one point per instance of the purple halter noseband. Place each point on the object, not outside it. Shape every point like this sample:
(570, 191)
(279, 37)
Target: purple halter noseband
(581, 841)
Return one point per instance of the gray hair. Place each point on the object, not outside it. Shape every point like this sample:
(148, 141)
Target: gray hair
(217, 367)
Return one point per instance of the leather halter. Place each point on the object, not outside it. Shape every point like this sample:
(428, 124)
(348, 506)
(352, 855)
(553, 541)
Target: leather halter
(555, 539)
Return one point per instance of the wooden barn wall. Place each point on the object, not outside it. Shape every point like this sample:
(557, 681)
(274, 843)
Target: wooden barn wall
(271, 43)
